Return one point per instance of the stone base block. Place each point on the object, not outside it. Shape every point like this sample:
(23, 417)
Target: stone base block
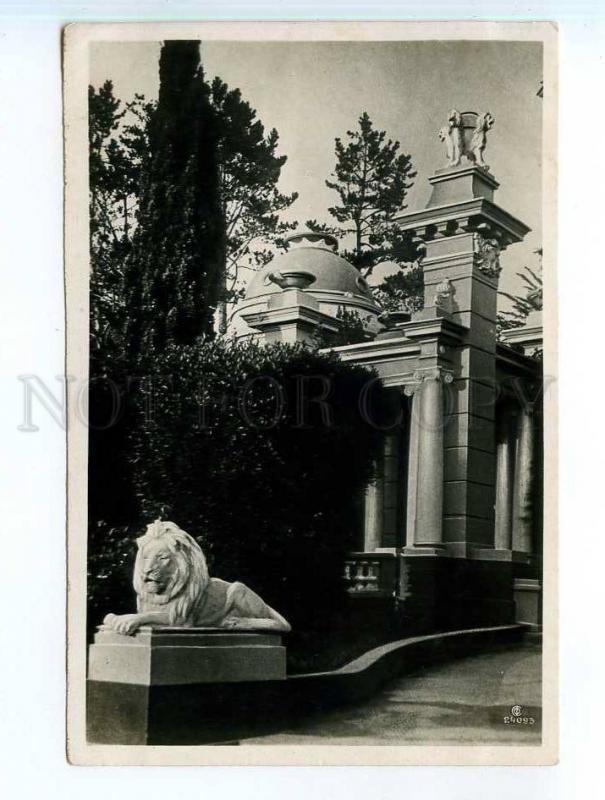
(438, 593)
(172, 656)
(164, 685)
(189, 714)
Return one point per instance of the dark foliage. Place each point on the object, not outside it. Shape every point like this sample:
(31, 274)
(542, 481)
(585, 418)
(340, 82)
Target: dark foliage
(403, 289)
(118, 154)
(111, 554)
(110, 418)
(351, 331)
(172, 276)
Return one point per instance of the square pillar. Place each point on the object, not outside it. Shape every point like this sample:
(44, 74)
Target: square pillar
(462, 233)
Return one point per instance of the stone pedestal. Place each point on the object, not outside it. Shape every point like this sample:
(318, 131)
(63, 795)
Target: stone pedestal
(528, 601)
(168, 656)
(291, 316)
(457, 184)
(163, 685)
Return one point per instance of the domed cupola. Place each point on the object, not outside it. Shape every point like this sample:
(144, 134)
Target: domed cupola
(311, 265)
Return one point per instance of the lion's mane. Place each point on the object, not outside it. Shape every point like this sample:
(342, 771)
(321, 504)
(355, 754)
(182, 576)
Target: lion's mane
(190, 581)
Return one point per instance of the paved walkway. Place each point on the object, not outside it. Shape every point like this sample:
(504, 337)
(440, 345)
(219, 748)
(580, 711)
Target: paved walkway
(462, 702)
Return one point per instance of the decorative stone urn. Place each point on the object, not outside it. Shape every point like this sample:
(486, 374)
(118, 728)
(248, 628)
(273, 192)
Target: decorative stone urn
(292, 279)
(392, 319)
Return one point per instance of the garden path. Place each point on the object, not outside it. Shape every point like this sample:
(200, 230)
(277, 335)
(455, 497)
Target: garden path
(461, 702)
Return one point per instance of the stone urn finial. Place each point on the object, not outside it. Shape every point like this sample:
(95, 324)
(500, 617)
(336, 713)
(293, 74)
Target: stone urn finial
(292, 279)
(393, 319)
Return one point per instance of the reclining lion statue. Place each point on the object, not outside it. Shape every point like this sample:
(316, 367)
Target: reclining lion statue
(174, 589)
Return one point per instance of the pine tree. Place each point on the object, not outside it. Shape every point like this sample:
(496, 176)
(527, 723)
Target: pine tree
(372, 179)
(172, 276)
(522, 305)
(402, 289)
(117, 151)
(250, 169)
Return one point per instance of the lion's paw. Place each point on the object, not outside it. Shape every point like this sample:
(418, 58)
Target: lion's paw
(233, 622)
(126, 624)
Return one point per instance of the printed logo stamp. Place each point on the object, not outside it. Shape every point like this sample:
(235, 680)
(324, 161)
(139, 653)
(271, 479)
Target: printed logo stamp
(519, 716)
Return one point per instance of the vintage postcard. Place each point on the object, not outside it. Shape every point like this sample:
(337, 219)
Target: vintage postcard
(311, 348)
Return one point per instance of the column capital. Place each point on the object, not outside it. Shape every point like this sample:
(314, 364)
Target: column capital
(436, 373)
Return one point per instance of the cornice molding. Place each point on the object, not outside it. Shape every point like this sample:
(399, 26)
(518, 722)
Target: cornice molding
(470, 216)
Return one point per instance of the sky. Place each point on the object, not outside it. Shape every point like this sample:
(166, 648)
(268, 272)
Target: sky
(312, 92)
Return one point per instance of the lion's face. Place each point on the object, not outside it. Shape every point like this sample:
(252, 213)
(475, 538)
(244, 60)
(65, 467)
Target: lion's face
(170, 570)
(157, 567)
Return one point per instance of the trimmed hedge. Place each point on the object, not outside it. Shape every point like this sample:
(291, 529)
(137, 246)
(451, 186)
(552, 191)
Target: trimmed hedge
(232, 444)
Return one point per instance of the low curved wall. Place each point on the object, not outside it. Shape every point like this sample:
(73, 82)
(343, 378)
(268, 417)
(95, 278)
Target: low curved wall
(364, 676)
(120, 713)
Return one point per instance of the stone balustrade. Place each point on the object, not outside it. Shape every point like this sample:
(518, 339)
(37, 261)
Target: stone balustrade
(370, 574)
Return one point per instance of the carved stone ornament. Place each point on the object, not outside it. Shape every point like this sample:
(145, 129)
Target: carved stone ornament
(465, 136)
(174, 589)
(434, 374)
(444, 296)
(487, 255)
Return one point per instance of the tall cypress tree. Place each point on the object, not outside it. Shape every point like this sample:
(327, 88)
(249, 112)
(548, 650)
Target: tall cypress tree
(172, 277)
(172, 269)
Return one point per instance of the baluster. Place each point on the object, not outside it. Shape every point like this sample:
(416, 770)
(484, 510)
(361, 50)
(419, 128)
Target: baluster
(374, 573)
(362, 572)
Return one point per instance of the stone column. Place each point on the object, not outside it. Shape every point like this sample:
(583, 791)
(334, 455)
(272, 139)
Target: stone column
(505, 462)
(429, 493)
(524, 477)
(412, 469)
(391, 482)
(373, 512)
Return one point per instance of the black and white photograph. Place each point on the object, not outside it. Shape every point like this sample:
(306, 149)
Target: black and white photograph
(311, 442)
